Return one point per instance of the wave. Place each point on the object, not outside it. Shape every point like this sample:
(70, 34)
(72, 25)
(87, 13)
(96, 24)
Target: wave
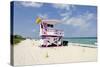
(84, 45)
(80, 38)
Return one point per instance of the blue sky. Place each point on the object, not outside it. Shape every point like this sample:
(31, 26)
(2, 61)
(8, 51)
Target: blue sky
(77, 20)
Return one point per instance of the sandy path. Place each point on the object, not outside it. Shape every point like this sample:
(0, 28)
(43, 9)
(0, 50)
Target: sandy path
(27, 53)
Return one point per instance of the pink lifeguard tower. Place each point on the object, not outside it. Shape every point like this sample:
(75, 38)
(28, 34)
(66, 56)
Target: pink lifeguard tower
(49, 35)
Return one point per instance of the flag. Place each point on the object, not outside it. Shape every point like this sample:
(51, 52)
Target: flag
(38, 20)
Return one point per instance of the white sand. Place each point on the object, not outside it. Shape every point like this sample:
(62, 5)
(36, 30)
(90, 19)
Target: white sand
(28, 53)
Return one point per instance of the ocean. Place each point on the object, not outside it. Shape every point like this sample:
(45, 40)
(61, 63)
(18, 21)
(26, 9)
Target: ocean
(82, 40)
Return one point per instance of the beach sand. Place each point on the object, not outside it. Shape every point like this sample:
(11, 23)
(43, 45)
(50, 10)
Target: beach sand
(28, 52)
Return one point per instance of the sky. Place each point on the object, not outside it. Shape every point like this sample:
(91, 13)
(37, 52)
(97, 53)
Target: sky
(76, 20)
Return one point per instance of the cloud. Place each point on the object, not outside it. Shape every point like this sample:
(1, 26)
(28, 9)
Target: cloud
(81, 25)
(65, 16)
(31, 4)
(83, 20)
(66, 7)
(76, 21)
(66, 10)
(44, 16)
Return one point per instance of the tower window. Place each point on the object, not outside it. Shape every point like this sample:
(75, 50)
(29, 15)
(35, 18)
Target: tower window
(50, 25)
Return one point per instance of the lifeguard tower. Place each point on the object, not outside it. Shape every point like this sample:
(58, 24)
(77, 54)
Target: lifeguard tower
(49, 35)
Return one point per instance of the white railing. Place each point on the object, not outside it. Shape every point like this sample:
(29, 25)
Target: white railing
(54, 32)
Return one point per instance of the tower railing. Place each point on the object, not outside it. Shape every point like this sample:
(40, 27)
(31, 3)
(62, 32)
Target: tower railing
(53, 32)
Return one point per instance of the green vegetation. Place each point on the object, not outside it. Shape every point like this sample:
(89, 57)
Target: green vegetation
(17, 39)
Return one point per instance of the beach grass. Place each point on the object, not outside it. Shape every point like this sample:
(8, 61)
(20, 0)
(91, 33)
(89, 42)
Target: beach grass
(17, 39)
(47, 55)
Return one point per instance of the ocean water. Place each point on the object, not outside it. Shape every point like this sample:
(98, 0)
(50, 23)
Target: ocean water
(82, 40)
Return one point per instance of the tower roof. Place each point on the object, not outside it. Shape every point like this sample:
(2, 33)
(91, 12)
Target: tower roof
(51, 21)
